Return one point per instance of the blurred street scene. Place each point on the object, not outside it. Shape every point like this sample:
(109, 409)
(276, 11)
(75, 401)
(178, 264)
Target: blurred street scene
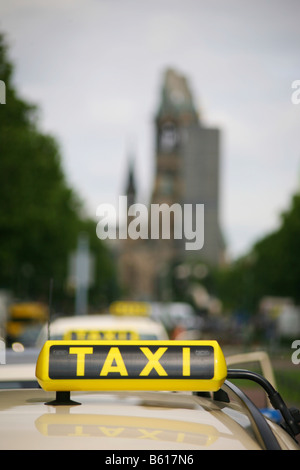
(53, 264)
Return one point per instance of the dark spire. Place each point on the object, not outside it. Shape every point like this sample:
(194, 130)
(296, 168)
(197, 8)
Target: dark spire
(131, 185)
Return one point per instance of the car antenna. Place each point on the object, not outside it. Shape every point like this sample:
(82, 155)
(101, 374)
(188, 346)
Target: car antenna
(50, 307)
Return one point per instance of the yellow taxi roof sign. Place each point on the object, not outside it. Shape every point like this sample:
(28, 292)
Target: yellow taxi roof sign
(131, 365)
(129, 308)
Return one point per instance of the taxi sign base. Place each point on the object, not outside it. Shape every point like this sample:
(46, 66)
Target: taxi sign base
(62, 399)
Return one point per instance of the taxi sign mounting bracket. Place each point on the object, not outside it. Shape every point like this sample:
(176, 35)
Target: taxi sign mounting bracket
(63, 399)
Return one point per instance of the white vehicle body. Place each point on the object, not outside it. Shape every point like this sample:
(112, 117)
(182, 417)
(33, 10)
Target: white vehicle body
(92, 327)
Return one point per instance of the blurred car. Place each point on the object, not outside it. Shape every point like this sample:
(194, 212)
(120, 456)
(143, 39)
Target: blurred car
(18, 372)
(103, 326)
(140, 395)
(18, 369)
(24, 322)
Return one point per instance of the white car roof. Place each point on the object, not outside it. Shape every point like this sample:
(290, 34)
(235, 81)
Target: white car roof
(105, 322)
(144, 420)
(127, 421)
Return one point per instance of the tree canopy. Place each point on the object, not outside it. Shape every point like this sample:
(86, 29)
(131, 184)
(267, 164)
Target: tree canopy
(271, 268)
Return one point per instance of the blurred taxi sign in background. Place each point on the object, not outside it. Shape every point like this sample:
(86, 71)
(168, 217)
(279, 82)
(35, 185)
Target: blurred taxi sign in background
(107, 335)
(131, 365)
(129, 308)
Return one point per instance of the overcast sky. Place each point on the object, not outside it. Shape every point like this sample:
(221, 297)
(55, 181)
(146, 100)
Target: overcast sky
(94, 68)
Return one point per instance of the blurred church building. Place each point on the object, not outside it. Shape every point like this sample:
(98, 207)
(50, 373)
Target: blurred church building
(187, 172)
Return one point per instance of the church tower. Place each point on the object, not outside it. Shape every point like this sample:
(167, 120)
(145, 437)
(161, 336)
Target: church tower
(187, 164)
(175, 113)
(186, 172)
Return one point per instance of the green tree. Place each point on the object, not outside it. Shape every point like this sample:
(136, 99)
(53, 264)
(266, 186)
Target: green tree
(270, 268)
(277, 267)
